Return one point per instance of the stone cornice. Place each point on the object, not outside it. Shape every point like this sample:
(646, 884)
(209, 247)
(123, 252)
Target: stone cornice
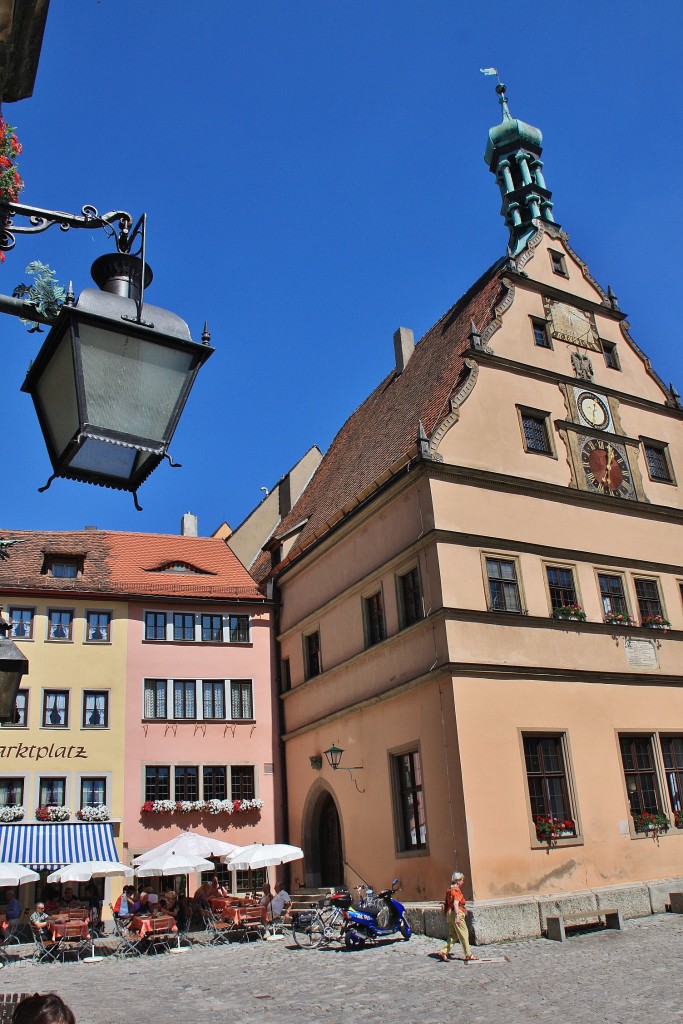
(552, 377)
(472, 670)
(552, 492)
(561, 295)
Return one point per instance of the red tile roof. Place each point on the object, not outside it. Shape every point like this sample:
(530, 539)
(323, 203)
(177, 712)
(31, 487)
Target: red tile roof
(129, 564)
(384, 428)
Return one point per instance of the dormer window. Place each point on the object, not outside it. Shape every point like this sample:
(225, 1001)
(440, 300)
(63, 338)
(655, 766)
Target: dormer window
(179, 567)
(62, 568)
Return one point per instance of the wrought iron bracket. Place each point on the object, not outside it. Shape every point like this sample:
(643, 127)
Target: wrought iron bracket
(117, 224)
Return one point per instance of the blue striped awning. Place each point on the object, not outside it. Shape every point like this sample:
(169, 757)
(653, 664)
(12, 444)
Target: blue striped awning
(52, 846)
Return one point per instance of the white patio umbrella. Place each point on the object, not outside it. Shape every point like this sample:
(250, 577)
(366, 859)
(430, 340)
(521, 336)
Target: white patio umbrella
(173, 863)
(191, 844)
(90, 869)
(83, 872)
(17, 874)
(262, 855)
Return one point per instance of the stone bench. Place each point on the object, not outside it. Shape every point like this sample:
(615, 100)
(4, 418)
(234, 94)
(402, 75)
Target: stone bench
(676, 900)
(555, 925)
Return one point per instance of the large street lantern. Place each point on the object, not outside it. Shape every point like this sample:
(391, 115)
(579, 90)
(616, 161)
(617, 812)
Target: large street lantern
(13, 665)
(112, 378)
(108, 388)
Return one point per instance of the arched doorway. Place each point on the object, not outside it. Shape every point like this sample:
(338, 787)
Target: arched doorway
(322, 837)
(330, 844)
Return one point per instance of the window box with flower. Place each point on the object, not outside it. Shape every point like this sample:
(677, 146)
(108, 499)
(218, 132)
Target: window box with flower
(201, 806)
(52, 813)
(570, 611)
(655, 622)
(549, 829)
(94, 812)
(651, 824)
(619, 619)
(678, 819)
(14, 812)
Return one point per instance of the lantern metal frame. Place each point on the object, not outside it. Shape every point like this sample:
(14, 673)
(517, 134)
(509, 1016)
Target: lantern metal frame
(119, 313)
(13, 665)
(334, 755)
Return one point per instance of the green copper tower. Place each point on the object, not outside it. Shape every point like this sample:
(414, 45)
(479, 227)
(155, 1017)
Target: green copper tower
(513, 154)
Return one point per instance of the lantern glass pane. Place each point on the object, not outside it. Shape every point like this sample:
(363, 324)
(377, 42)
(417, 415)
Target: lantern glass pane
(104, 457)
(132, 384)
(56, 391)
(9, 684)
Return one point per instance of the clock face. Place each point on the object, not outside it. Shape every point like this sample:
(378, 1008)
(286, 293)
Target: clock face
(593, 410)
(606, 468)
(571, 324)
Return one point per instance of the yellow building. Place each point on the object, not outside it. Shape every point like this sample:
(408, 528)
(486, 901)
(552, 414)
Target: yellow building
(61, 760)
(481, 601)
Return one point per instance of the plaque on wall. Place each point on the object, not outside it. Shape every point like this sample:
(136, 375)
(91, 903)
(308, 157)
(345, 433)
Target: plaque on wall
(641, 654)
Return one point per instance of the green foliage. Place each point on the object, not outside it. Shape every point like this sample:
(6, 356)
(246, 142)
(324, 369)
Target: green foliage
(5, 546)
(45, 293)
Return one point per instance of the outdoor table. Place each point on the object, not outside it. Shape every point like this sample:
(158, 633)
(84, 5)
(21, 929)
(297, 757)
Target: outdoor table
(145, 925)
(69, 929)
(219, 903)
(234, 914)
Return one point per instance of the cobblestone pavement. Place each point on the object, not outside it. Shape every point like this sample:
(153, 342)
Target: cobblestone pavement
(608, 977)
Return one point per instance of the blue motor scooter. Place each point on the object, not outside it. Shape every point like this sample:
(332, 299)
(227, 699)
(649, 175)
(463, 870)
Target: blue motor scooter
(378, 916)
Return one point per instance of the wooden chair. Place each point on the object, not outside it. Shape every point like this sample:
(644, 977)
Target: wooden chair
(250, 923)
(161, 934)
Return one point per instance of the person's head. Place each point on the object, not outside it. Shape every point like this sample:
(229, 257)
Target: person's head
(279, 886)
(170, 898)
(266, 889)
(457, 878)
(214, 882)
(40, 907)
(68, 893)
(129, 890)
(144, 898)
(48, 1009)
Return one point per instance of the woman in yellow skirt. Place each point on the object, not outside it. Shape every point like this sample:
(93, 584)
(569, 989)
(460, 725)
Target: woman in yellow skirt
(454, 909)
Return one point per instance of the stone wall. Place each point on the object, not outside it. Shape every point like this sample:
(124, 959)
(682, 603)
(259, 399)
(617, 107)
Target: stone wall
(525, 917)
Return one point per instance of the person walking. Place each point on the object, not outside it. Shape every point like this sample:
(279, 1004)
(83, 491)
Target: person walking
(454, 909)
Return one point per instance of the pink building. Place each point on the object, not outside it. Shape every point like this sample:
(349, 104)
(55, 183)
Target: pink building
(200, 726)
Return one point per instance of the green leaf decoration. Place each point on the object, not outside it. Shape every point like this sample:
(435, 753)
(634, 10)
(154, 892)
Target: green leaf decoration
(46, 294)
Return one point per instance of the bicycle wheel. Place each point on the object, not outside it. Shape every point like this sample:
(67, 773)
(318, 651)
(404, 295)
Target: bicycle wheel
(308, 931)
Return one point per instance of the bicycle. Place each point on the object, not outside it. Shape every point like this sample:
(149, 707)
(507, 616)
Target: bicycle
(318, 926)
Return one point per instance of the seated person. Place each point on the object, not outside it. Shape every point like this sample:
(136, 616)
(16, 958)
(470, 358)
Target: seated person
(51, 898)
(216, 887)
(39, 919)
(12, 906)
(123, 907)
(280, 901)
(204, 891)
(68, 901)
(141, 904)
(267, 896)
(172, 907)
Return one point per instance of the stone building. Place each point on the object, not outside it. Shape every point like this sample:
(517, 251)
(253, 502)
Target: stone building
(481, 600)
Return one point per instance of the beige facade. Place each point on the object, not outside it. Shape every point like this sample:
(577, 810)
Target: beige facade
(524, 461)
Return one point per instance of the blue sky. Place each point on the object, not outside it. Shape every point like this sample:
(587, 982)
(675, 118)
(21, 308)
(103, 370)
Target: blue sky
(313, 177)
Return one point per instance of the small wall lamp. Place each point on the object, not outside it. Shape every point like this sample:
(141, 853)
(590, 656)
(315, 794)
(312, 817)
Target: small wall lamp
(334, 756)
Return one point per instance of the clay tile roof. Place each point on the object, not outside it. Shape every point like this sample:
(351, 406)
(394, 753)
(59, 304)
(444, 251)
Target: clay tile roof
(384, 428)
(126, 563)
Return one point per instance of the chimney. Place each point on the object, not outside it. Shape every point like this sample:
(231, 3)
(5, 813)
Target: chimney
(404, 346)
(189, 526)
